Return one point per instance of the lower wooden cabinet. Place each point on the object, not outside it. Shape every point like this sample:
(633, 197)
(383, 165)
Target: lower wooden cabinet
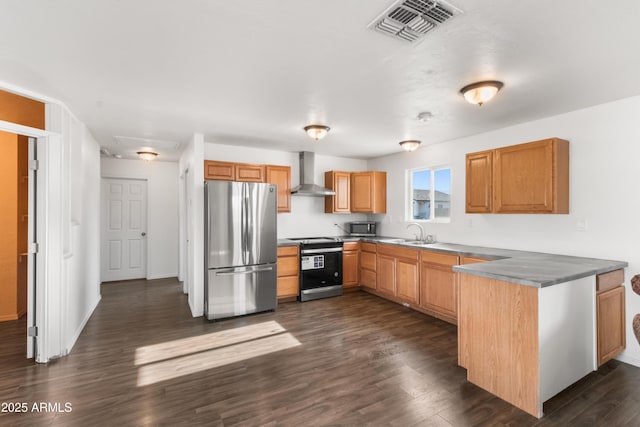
(438, 285)
(610, 317)
(350, 264)
(368, 267)
(398, 273)
(288, 272)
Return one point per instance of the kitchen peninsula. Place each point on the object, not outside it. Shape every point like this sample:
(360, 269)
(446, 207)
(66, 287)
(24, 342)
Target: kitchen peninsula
(528, 322)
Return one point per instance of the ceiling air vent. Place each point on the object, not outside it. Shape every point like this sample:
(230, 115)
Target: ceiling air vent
(411, 20)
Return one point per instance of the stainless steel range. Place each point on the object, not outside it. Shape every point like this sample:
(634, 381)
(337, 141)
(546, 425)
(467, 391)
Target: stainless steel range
(320, 267)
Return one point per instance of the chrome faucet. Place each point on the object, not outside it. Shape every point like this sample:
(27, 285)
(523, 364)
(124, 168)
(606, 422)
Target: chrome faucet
(421, 230)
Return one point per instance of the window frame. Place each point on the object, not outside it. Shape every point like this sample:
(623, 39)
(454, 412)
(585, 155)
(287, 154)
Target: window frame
(432, 206)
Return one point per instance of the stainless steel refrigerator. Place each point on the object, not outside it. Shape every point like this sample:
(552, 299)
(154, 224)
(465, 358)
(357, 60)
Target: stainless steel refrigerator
(240, 248)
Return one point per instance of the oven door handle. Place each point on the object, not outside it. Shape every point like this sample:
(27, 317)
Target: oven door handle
(320, 250)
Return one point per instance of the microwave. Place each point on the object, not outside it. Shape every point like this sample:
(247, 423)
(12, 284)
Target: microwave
(362, 228)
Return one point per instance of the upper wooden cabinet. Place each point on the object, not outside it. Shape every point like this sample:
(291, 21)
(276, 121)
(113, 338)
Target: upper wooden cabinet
(281, 176)
(340, 182)
(222, 171)
(229, 171)
(524, 178)
(369, 192)
(479, 182)
(250, 173)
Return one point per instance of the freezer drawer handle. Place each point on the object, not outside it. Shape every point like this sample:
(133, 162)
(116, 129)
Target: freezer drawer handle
(231, 272)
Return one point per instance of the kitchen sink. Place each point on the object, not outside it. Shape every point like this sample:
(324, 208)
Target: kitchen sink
(392, 240)
(417, 243)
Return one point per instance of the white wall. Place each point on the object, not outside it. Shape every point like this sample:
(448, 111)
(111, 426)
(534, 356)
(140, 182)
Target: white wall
(80, 286)
(307, 217)
(192, 159)
(604, 151)
(162, 210)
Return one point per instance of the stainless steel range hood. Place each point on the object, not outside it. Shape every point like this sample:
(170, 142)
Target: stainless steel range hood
(307, 173)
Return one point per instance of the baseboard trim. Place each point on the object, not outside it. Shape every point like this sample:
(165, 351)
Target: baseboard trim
(72, 342)
(162, 276)
(629, 360)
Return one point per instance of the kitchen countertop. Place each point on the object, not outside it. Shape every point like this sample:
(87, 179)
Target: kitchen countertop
(535, 269)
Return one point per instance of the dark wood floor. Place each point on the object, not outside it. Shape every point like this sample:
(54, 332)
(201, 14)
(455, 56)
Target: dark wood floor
(352, 360)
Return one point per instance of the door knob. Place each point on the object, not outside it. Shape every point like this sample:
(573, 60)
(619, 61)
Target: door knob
(143, 234)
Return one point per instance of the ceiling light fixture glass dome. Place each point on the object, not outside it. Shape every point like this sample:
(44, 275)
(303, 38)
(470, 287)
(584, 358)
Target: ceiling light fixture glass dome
(410, 144)
(481, 92)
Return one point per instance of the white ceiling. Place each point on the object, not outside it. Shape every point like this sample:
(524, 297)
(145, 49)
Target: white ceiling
(255, 72)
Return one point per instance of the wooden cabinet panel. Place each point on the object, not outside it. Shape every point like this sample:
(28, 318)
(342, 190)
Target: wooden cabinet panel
(368, 275)
(609, 280)
(439, 258)
(250, 173)
(532, 177)
(464, 259)
(399, 252)
(20, 110)
(369, 192)
(524, 178)
(439, 285)
(340, 182)
(288, 271)
(407, 280)
(281, 176)
(611, 328)
(386, 275)
(288, 266)
(288, 286)
(221, 171)
(368, 278)
(368, 260)
(350, 269)
(351, 246)
(438, 290)
(479, 182)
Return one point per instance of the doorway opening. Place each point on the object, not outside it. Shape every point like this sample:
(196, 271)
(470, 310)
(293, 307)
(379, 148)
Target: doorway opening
(17, 219)
(124, 229)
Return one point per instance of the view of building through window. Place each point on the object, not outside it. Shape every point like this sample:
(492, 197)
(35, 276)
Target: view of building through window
(430, 192)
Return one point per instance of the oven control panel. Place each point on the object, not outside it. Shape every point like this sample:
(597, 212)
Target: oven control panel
(313, 262)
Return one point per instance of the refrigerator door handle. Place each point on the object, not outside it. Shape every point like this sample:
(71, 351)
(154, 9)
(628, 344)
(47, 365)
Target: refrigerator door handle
(234, 272)
(243, 223)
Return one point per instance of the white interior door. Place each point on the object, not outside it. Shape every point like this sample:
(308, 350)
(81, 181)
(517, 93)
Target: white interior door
(187, 192)
(124, 229)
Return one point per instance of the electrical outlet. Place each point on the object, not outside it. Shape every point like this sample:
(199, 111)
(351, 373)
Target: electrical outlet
(582, 225)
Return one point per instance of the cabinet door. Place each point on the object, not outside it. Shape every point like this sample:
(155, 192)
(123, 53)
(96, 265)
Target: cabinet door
(479, 182)
(281, 176)
(350, 269)
(386, 275)
(407, 281)
(611, 328)
(340, 182)
(288, 286)
(369, 192)
(532, 177)
(221, 171)
(438, 289)
(250, 173)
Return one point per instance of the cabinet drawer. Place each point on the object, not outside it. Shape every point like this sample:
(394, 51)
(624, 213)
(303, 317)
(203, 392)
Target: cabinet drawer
(287, 251)
(288, 266)
(351, 246)
(368, 278)
(609, 280)
(399, 252)
(288, 286)
(368, 247)
(471, 260)
(439, 258)
(368, 260)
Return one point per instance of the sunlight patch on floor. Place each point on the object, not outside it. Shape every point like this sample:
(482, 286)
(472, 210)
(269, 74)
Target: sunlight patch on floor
(185, 346)
(191, 355)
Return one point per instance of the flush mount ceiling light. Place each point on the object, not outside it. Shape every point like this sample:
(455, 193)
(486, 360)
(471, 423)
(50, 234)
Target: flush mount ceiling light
(481, 92)
(147, 155)
(410, 144)
(317, 132)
